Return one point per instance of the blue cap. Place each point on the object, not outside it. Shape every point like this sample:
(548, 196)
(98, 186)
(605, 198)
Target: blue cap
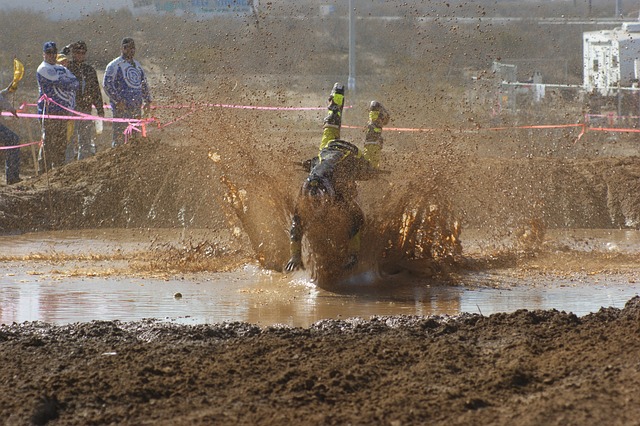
(49, 45)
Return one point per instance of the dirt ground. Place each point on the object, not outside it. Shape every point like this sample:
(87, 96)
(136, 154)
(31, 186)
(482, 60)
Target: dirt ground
(525, 368)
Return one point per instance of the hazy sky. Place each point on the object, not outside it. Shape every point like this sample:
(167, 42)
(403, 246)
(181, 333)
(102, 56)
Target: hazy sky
(57, 9)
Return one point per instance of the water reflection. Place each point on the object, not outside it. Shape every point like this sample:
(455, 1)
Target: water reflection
(39, 290)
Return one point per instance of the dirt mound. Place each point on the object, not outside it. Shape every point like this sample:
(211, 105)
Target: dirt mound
(529, 367)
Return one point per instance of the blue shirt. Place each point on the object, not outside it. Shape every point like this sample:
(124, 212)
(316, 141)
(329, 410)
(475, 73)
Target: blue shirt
(58, 83)
(125, 81)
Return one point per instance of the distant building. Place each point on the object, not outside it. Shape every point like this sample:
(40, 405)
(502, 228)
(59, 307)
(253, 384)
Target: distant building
(611, 58)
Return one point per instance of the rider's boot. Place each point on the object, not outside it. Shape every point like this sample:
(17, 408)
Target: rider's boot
(333, 120)
(378, 118)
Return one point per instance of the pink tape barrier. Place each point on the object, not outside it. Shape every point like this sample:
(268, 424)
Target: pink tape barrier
(21, 145)
(140, 125)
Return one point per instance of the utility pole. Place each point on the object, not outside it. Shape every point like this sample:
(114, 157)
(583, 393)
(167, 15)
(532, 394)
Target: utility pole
(618, 8)
(351, 82)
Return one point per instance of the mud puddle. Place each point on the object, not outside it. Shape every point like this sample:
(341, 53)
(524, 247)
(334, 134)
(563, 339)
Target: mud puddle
(37, 287)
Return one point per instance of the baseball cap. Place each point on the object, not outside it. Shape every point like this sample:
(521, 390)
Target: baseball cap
(49, 46)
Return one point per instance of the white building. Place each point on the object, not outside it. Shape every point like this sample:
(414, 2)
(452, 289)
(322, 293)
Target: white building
(611, 58)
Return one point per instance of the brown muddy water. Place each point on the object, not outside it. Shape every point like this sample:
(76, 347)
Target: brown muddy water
(77, 276)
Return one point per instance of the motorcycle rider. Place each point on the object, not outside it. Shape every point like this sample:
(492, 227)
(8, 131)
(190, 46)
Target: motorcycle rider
(334, 172)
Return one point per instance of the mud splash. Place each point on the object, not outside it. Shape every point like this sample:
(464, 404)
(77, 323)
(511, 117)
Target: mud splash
(409, 228)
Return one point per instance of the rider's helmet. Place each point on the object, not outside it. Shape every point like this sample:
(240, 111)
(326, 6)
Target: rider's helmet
(319, 188)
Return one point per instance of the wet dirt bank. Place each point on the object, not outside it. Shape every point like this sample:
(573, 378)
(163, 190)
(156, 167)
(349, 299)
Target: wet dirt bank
(539, 367)
(130, 188)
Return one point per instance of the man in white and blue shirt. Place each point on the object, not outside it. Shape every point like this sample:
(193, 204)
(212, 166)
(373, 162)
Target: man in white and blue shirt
(59, 85)
(126, 85)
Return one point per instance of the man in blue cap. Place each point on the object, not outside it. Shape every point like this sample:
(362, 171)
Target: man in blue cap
(126, 85)
(59, 85)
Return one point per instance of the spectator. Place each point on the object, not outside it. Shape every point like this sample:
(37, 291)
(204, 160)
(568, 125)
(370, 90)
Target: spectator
(88, 95)
(9, 138)
(126, 85)
(59, 85)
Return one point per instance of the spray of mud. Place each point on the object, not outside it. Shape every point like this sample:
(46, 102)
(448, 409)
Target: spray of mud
(417, 231)
(327, 228)
(408, 232)
(409, 226)
(410, 229)
(244, 184)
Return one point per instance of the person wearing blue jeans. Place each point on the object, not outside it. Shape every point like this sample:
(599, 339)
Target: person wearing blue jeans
(9, 138)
